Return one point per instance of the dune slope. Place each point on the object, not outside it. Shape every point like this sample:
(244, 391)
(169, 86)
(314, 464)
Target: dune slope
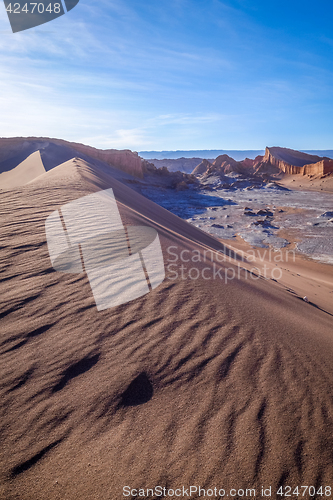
(25, 172)
(199, 382)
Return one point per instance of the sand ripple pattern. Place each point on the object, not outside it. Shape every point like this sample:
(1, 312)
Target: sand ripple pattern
(195, 383)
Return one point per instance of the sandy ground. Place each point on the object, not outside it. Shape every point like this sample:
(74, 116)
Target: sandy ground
(207, 382)
(304, 182)
(297, 274)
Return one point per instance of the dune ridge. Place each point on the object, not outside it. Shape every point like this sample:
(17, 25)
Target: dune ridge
(57, 151)
(24, 172)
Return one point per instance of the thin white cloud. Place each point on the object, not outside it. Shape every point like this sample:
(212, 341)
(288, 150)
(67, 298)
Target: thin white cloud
(119, 76)
(134, 139)
(182, 118)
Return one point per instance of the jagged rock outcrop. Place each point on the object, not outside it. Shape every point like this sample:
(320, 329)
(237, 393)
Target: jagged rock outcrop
(202, 167)
(225, 164)
(176, 180)
(185, 165)
(249, 163)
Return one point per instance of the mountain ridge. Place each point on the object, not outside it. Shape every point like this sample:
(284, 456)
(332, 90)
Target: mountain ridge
(208, 154)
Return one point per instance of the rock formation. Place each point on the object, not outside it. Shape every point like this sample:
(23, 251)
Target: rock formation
(275, 161)
(322, 167)
(185, 165)
(294, 162)
(249, 163)
(176, 180)
(202, 167)
(225, 164)
(125, 160)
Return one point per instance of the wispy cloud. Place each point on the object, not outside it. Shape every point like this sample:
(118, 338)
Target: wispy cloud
(123, 74)
(134, 139)
(183, 118)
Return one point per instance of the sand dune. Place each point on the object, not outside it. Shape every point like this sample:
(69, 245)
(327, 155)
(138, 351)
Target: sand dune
(26, 171)
(203, 382)
(14, 150)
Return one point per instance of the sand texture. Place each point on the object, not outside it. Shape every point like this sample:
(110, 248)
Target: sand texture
(198, 382)
(304, 182)
(26, 171)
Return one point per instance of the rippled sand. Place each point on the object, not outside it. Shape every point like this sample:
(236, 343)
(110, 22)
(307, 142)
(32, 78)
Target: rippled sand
(199, 382)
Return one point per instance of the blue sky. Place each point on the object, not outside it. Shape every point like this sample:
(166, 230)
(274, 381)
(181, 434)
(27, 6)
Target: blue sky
(176, 74)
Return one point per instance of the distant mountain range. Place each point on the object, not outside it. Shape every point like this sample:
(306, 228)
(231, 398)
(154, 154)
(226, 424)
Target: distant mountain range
(209, 154)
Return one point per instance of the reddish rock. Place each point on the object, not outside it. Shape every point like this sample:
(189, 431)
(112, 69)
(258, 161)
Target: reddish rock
(223, 164)
(321, 168)
(202, 167)
(185, 165)
(248, 162)
(181, 186)
(252, 165)
(294, 162)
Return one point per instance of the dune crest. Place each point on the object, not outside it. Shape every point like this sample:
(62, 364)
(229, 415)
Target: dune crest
(56, 151)
(25, 172)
